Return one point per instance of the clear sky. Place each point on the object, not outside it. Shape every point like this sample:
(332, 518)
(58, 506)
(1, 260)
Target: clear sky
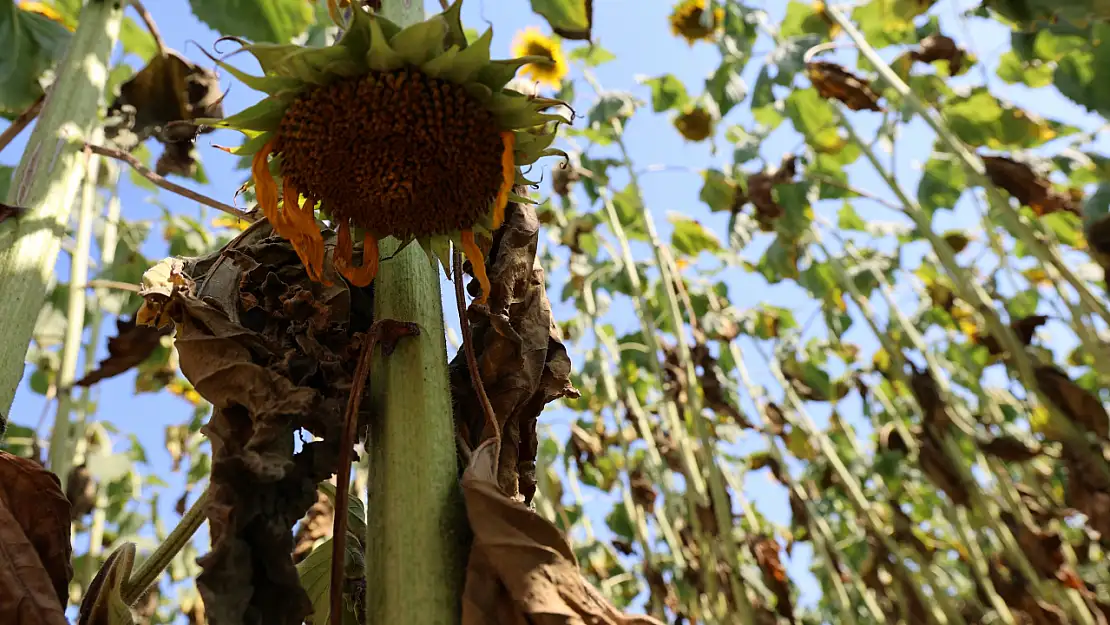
(636, 31)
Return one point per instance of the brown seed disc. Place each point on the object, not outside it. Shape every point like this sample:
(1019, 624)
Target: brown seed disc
(397, 153)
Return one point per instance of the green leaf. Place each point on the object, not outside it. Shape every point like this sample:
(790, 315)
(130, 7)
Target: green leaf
(137, 40)
(942, 183)
(780, 261)
(275, 21)
(765, 108)
(30, 44)
(802, 19)
(314, 573)
(815, 118)
(356, 510)
(667, 92)
(889, 22)
(726, 87)
(620, 523)
(592, 55)
(980, 119)
(6, 174)
(1035, 74)
(570, 19)
(691, 238)
(630, 211)
(1084, 75)
(849, 219)
(718, 191)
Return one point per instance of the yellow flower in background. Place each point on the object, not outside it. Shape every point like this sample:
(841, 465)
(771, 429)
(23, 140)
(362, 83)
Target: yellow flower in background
(689, 20)
(531, 42)
(228, 221)
(403, 132)
(44, 10)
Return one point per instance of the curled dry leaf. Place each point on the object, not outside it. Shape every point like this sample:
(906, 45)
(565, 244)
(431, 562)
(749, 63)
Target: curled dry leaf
(935, 417)
(833, 81)
(1080, 406)
(132, 344)
(1088, 492)
(760, 192)
(1010, 449)
(935, 465)
(274, 352)
(521, 357)
(642, 489)
(1025, 328)
(890, 440)
(938, 47)
(766, 550)
(1042, 548)
(521, 569)
(169, 89)
(1027, 187)
(35, 551)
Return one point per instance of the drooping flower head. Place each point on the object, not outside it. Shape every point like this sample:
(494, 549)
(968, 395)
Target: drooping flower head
(532, 43)
(408, 133)
(693, 23)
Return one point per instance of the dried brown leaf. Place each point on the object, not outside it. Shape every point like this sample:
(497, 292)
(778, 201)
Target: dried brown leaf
(760, 192)
(132, 345)
(833, 81)
(1010, 449)
(270, 370)
(80, 492)
(1025, 328)
(521, 569)
(938, 47)
(316, 524)
(1080, 406)
(713, 387)
(766, 550)
(169, 89)
(1027, 187)
(642, 489)
(35, 550)
(34, 544)
(521, 357)
(936, 467)
(935, 417)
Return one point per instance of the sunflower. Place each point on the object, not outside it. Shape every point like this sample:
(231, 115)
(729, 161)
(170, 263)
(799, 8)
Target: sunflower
(690, 21)
(408, 133)
(531, 42)
(695, 123)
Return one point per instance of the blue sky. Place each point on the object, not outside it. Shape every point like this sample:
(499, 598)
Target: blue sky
(636, 31)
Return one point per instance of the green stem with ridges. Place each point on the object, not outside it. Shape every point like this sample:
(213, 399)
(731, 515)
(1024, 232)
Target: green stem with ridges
(416, 523)
(46, 184)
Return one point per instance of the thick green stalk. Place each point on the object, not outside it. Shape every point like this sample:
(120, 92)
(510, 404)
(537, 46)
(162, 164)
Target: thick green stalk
(46, 183)
(61, 445)
(416, 523)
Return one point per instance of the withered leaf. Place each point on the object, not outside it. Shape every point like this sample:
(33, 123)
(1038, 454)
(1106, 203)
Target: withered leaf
(643, 490)
(935, 413)
(766, 552)
(169, 89)
(1087, 491)
(1010, 449)
(760, 192)
(833, 81)
(938, 47)
(283, 365)
(1027, 187)
(132, 344)
(713, 386)
(776, 420)
(890, 439)
(80, 491)
(521, 357)
(35, 550)
(1043, 549)
(1080, 406)
(34, 543)
(316, 524)
(521, 569)
(1025, 328)
(935, 466)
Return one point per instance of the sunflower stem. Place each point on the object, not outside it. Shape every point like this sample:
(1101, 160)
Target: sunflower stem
(46, 184)
(415, 552)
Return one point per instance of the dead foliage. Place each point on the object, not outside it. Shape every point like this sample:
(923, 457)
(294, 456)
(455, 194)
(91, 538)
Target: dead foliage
(169, 89)
(521, 569)
(35, 549)
(642, 489)
(1025, 328)
(1009, 448)
(760, 192)
(835, 82)
(316, 524)
(274, 353)
(935, 417)
(132, 345)
(1079, 405)
(1014, 590)
(521, 357)
(1088, 491)
(1044, 549)
(937, 468)
(712, 381)
(1028, 187)
(938, 47)
(765, 550)
(80, 492)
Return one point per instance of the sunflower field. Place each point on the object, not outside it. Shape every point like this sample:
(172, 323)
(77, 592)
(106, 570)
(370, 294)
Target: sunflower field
(626, 312)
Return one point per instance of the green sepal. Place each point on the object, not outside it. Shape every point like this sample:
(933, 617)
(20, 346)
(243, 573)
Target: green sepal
(524, 182)
(381, 57)
(529, 146)
(252, 144)
(358, 35)
(321, 66)
(479, 92)
(456, 34)
(421, 42)
(441, 249)
(265, 115)
(442, 65)
(498, 73)
(270, 85)
(520, 199)
(471, 60)
(271, 55)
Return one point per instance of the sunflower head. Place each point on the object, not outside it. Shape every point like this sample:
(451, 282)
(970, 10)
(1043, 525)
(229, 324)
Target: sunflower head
(695, 123)
(408, 133)
(692, 22)
(532, 43)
